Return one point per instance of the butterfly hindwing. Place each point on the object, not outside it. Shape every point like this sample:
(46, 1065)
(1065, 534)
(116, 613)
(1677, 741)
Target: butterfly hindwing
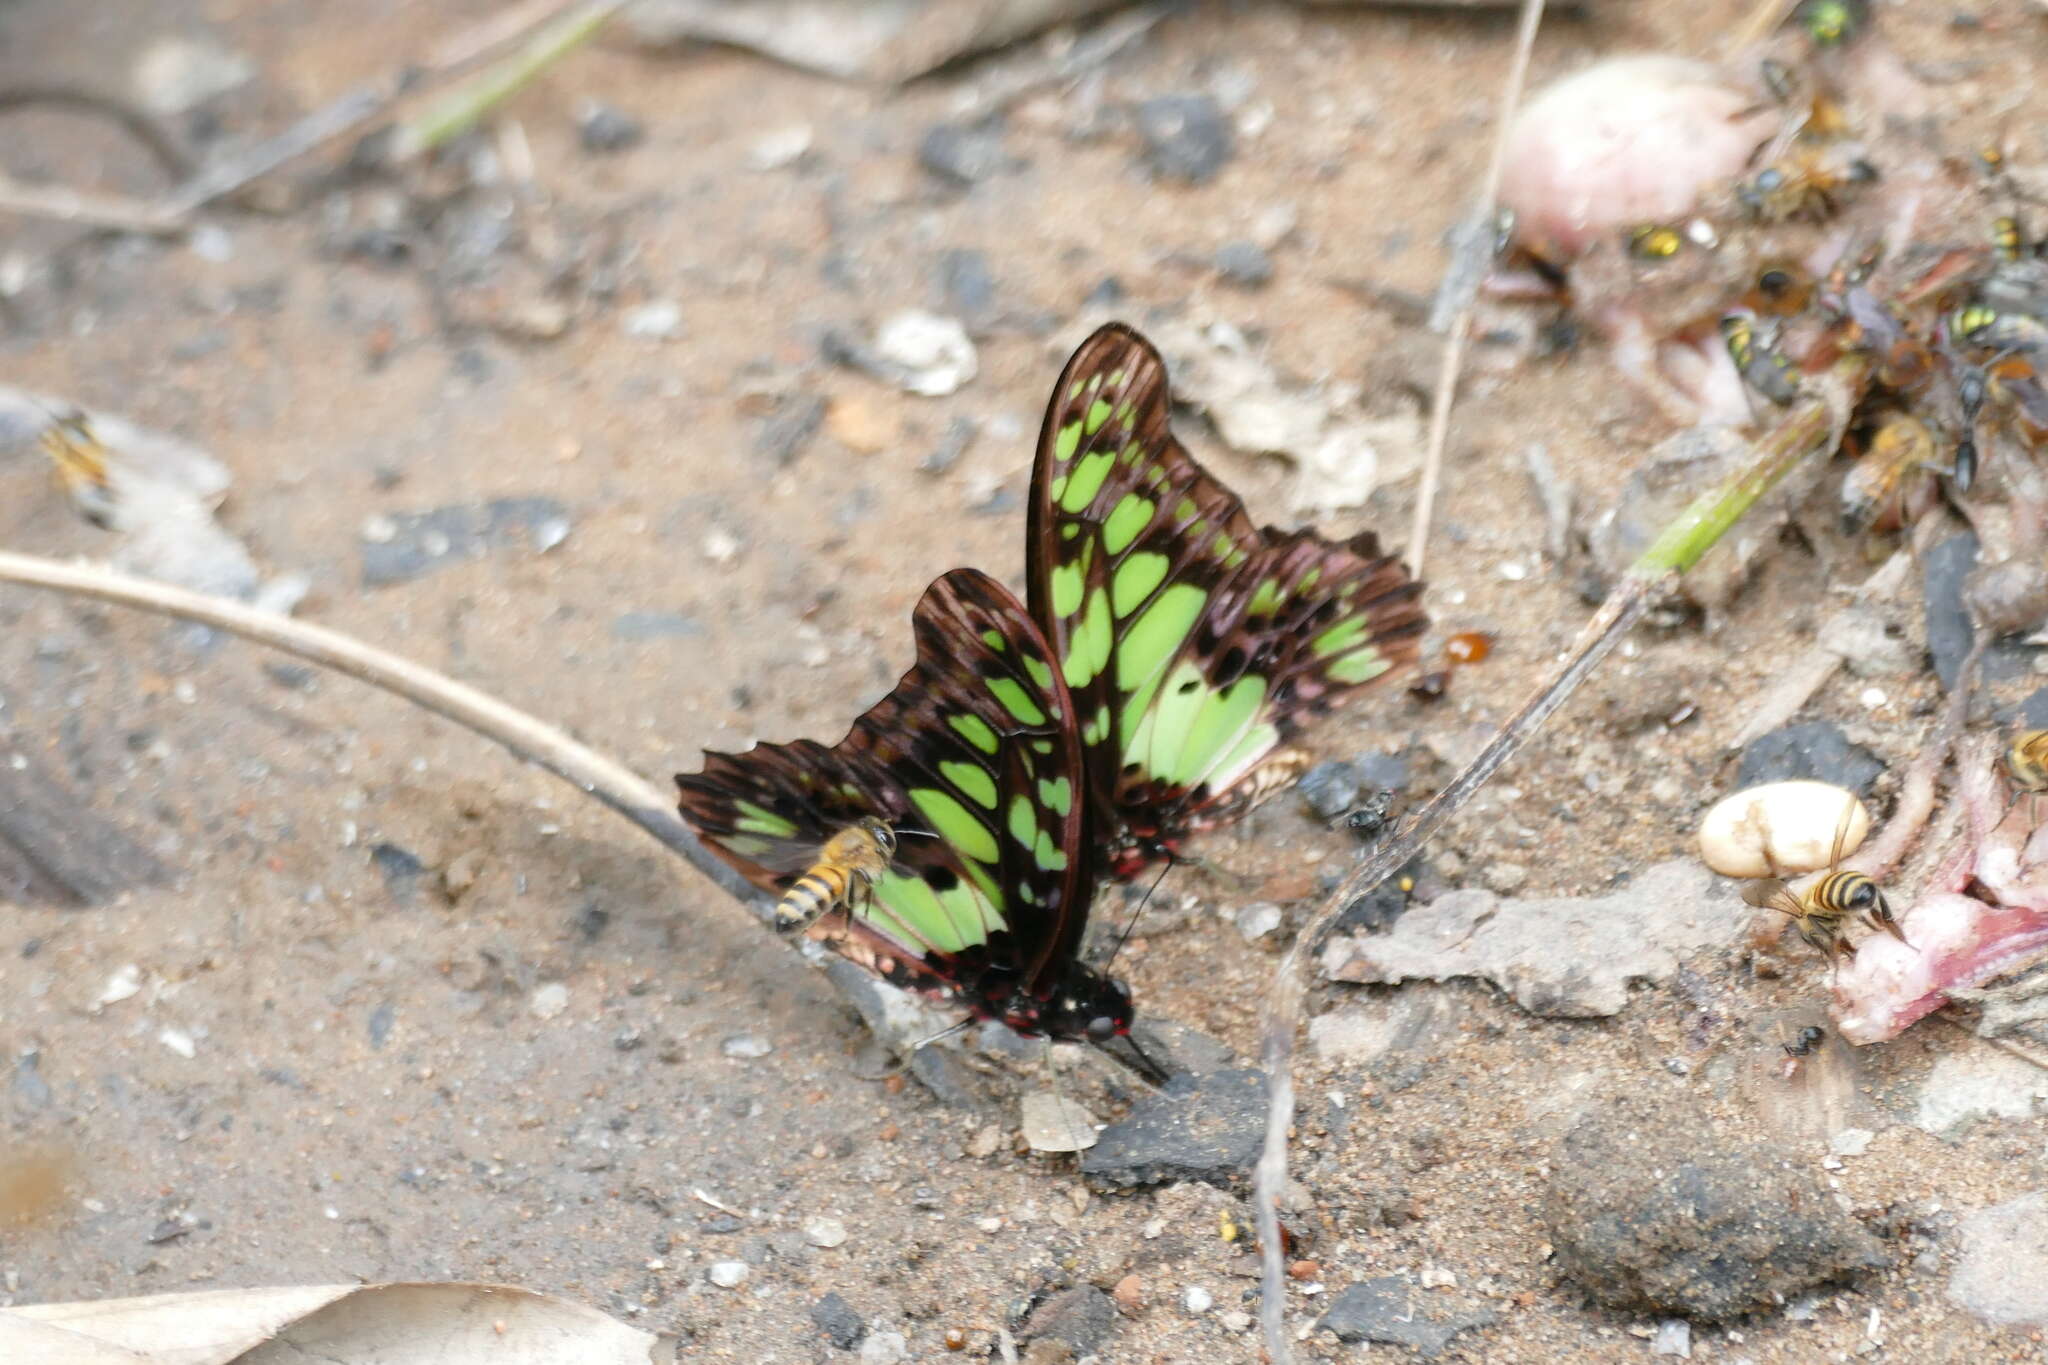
(1193, 642)
(972, 759)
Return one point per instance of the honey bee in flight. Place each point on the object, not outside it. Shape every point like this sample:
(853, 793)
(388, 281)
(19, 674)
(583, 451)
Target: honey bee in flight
(848, 866)
(80, 462)
(1823, 911)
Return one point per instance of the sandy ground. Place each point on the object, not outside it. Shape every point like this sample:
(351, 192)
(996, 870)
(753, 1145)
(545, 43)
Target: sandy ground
(384, 1085)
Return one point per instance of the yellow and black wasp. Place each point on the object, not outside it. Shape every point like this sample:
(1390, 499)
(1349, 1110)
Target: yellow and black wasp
(848, 866)
(1762, 368)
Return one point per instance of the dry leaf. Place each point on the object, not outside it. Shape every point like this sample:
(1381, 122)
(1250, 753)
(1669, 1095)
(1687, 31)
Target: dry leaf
(339, 1324)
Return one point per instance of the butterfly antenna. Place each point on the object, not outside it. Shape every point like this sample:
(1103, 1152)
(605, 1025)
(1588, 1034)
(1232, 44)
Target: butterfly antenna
(944, 1033)
(1129, 928)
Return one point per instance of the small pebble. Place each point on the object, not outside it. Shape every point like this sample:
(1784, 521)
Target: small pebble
(746, 1046)
(1129, 1294)
(885, 1348)
(660, 320)
(1780, 829)
(549, 1000)
(783, 147)
(1197, 1299)
(602, 128)
(125, 982)
(932, 352)
(727, 1274)
(1235, 1320)
(1054, 1123)
(1257, 921)
(1244, 264)
(180, 1042)
(825, 1232)
(1674, 1338)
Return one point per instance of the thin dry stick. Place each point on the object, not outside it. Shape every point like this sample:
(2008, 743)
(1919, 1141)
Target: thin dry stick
(62, 205)
(1815, 424)
(527, 736)
(1461, 292)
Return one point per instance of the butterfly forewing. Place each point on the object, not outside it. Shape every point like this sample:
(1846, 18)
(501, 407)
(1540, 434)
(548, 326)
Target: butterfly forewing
(1193, 641)
(972, 761)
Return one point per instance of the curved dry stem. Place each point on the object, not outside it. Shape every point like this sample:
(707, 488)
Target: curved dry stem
(527, 736)
(1461, 288)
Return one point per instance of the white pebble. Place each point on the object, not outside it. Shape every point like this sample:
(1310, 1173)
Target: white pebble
(746, 1046)
(727, 1274)
(1198, 1299)
(885, 1348)
(1054, 1123)
(657, 321)
(825, 1232)
(180, 1042)
(1236, 1320)
(773, 151)
(1257, 921)
(125, 982)
(1872, 697)
(935, 355)
(549, 1001)
(1780, 828)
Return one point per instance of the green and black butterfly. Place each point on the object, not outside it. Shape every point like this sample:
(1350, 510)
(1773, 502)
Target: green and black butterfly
(1170, 649)
(974, 764)
(1194, 643)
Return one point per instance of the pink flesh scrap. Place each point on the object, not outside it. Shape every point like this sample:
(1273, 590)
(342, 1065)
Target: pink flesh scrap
(1957, 940)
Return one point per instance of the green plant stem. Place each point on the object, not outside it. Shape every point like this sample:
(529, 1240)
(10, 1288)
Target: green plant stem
(458, 111)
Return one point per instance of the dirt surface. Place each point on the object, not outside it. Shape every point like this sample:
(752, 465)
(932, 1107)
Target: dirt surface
(332, 1070)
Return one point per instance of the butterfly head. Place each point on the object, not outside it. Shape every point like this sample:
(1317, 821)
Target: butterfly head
(1085, 1005)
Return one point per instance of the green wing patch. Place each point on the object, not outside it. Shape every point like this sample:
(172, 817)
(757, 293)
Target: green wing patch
(1193, 641)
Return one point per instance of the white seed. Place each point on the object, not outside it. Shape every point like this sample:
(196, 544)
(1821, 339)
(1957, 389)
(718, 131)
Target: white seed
(1780, 828)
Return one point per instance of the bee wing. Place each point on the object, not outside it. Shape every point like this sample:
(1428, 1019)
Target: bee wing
(1770, 893)
(1849, 809)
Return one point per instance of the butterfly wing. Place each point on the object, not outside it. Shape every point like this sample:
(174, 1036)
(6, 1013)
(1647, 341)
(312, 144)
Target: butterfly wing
(973, 760)
(1193, 642)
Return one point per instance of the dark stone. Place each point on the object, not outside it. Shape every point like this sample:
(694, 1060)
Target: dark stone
(836, 1319)
(783, 436)
(297, 677)
(29, 1087)
(601, 128)
(1944, 572)
(401, 869)
(1330, 789)
(965, 154)
(960, 434)
(1388, 1311)
(1377, 909)
(55, 849)
(422, 542)
(1196, 1127)
(1388, 772)
(1187, 137)
(1107, 293)
(1658, 1210)
(655, 625)
(1810, 749)
(968, 286)
(2033, 711)
(381, 1020)
(591, 922)
(1082, 1317)
(1245, 264)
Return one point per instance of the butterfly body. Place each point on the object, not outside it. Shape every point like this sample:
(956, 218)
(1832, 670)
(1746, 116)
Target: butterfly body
(976, 746)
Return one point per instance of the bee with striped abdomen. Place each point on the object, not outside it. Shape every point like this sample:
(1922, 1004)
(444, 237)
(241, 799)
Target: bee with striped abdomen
(80, 462)
(2026, 763)
(848, 866)
(1893, 482)
(1822, 913)
(1806, 182)
(1762, 368)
